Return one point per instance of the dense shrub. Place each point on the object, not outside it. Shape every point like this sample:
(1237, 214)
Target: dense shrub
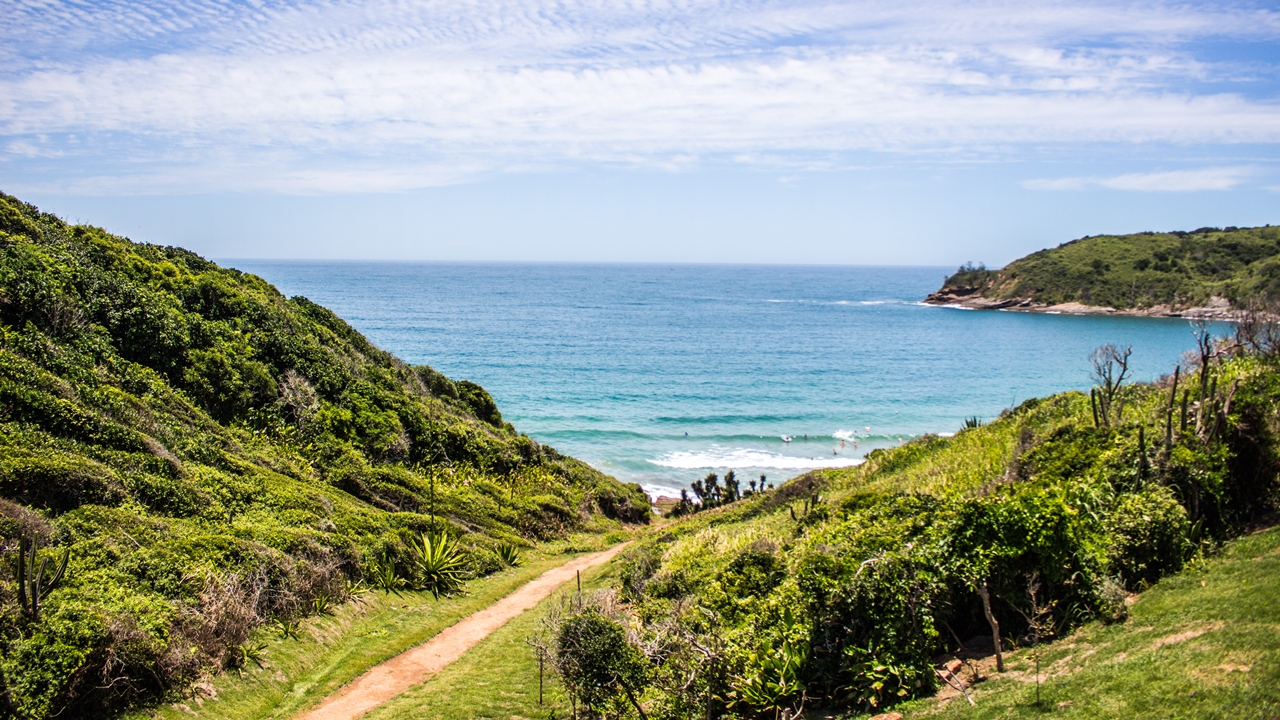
(1148, 536)
(597, 664)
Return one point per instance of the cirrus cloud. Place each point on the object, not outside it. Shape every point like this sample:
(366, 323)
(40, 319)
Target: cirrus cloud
(334, 96)
(1221, 178)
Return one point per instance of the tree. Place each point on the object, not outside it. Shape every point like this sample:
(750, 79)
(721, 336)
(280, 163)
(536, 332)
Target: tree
(732, 490)
(1110, 370)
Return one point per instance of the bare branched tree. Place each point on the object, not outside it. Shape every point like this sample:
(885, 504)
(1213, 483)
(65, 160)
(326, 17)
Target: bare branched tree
(1040, 625)
(1110, 370)
(1258, 327)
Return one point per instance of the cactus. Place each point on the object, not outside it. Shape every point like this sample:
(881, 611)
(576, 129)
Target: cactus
(33, 585)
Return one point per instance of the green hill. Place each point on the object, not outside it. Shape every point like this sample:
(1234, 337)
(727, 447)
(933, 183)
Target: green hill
(839, 591)
(212, 455)
(1210, 269)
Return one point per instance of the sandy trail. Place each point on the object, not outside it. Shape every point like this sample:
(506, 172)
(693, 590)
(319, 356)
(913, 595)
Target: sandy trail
(387, 680)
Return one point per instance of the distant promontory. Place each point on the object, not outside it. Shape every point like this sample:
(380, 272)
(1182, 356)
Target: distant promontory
(1207, 273)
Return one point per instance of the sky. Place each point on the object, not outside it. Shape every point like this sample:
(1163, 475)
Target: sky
(873, 132)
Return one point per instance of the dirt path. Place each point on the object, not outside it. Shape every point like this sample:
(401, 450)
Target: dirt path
(387, 680)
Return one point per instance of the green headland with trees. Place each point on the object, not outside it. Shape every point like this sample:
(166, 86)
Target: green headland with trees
(1206, 272)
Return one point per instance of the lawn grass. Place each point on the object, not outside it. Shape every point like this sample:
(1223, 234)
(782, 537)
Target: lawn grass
(1202, 644)
(335, 649)
(497, 678)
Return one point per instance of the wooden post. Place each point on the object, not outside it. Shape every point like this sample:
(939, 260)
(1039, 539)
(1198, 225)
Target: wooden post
(995, 624)
(539, 676)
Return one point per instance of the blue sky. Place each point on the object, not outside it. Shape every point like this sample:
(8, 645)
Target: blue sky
(677, 130)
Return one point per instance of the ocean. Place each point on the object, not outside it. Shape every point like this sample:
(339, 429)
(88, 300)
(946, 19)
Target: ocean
(660, 374)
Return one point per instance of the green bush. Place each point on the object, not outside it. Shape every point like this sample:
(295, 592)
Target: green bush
(596, 663)
(1148, 533)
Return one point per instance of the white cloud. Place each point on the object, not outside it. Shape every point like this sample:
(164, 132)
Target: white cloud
(338, 95)
(1222, 178)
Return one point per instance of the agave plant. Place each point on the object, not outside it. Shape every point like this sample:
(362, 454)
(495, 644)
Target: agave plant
(438, 562)
(242, 655)
(386, 578)
(771, 683)
(289, 627)
(509, 554)
(355, 589)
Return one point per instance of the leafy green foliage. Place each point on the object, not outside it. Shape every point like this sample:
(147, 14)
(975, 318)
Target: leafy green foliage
(215, 456)
(1179, 269)
(771, 682)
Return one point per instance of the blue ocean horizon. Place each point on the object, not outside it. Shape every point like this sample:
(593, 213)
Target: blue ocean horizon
(662, 373)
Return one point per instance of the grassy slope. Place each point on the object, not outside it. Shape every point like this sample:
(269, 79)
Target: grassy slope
(1140, 270)
(215, 455)
(1202, 644)
(1138, 668)
(335, 649)
(1042, 468)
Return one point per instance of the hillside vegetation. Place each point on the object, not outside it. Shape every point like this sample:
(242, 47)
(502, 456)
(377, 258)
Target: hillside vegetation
(1200, 644)
(1177, 270)
(206, 456)
(836, 592)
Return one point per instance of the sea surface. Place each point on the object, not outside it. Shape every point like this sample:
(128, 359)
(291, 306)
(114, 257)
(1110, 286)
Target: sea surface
(660, 374)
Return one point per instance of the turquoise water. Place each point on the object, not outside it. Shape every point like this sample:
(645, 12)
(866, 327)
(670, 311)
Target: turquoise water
(660, 374)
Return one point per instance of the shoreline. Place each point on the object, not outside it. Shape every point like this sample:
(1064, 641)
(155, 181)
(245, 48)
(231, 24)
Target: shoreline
(1218, 308)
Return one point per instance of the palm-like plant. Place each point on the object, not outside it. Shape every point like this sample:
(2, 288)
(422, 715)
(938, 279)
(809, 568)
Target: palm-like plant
(438, 562)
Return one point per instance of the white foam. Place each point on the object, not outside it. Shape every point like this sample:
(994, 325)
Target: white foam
(657, 491)
(740, 458)
(843, 434)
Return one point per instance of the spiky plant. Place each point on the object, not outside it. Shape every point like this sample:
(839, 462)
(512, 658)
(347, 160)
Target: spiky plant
(33, 584)
(289, 627)
(438, 563)
(242, 655)
(386, 578)
(509, 554)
